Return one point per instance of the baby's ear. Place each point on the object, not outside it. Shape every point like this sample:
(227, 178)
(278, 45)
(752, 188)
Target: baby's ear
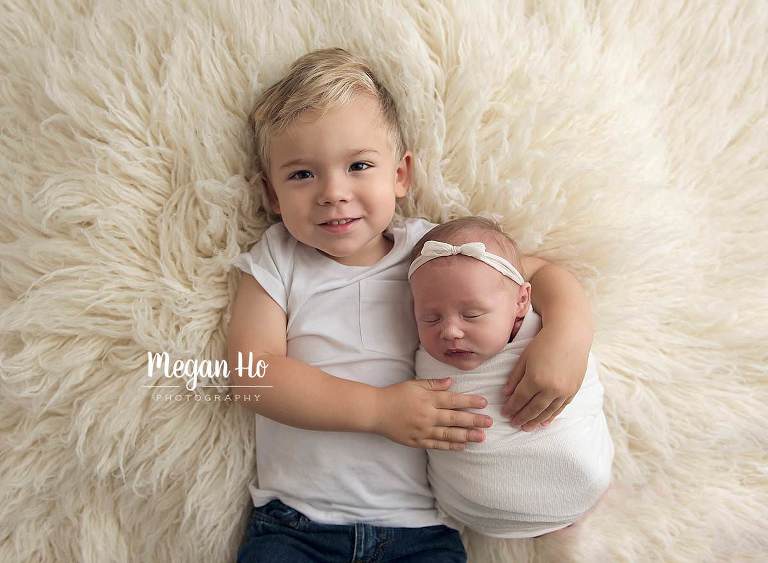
(523, 299)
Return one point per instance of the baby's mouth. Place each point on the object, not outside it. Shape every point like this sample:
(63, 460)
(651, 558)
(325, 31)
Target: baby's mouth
(457, 352)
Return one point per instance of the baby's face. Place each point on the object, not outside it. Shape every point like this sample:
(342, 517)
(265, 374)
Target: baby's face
(465, 310)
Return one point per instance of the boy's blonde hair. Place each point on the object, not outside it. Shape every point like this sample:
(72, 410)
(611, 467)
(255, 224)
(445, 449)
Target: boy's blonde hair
(470, 229)
(320, 80)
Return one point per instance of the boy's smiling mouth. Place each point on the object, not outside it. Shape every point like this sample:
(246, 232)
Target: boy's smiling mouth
(339, 228)
(340, 220)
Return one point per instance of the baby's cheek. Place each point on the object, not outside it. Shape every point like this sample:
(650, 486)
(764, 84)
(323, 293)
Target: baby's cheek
(424, 339)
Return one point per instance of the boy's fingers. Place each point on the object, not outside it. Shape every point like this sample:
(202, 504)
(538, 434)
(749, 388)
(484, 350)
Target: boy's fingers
(557, 412)
(544, 416)
(463, 420)
(465, 401)
(441, 383)
(456, 435)
(533, 409)
(435, 444)
(515, 376)
(519, 399)
(441, 445)
(451, 400)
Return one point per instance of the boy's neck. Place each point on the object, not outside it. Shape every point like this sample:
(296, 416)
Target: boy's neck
(386, 242)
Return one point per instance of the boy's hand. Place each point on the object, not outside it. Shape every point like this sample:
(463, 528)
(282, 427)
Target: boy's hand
(544, 380)
(419, 413)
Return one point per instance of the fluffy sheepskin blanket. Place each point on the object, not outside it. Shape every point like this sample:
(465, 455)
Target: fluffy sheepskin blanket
(624, 140)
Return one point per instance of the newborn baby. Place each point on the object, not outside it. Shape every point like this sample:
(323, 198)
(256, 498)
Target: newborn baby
(474, 317)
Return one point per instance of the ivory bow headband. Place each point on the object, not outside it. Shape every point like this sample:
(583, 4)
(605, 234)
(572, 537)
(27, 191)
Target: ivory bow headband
(436, 249)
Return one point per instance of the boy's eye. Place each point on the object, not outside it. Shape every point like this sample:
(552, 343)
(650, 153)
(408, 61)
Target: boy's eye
(474, 316)
(299, 172)
(308, 172)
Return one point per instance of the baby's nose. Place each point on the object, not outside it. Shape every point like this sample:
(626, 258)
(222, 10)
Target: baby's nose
(451, 331)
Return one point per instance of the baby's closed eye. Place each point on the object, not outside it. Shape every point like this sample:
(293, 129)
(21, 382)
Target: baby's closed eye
(436, 319)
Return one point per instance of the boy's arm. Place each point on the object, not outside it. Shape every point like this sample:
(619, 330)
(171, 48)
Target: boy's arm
(300, 395)
(420, 413)
(552, 367)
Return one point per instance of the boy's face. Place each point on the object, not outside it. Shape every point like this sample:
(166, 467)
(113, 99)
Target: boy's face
(330, 182)
(474, 312)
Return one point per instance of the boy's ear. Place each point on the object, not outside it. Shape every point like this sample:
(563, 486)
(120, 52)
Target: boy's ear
(404, 175)
(274, 203)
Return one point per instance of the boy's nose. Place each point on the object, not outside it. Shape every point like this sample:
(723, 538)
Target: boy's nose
(334, 191)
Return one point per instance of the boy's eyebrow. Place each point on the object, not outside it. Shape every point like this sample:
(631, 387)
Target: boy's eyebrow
(353, 152)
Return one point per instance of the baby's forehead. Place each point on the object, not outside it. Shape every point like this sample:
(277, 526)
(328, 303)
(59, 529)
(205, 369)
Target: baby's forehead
(489, 297)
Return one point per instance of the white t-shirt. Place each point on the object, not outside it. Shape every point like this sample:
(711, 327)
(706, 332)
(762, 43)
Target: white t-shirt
(357, 323)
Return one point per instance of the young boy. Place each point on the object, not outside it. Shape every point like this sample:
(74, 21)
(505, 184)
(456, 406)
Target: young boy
(327, 306)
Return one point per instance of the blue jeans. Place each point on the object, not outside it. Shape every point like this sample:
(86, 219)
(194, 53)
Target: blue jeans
(277, 533)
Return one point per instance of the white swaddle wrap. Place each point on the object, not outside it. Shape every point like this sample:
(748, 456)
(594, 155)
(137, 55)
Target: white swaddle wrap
(518, 484)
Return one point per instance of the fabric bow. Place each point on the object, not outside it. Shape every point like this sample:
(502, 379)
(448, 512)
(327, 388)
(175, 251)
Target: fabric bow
(439, 248)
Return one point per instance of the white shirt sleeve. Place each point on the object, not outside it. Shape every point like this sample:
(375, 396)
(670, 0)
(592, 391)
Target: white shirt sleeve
(261, 262)
(417, 228)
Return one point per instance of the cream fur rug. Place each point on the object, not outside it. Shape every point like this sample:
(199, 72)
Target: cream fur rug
(627, 141)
